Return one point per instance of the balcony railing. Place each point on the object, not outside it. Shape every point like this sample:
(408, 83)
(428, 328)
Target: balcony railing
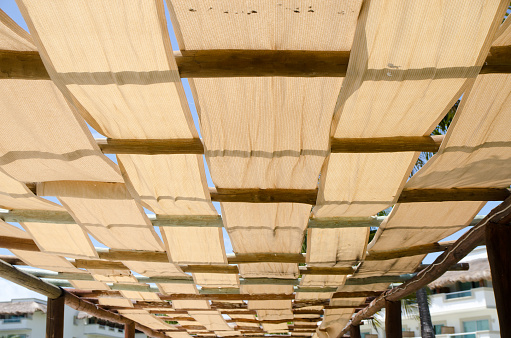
(475, 334)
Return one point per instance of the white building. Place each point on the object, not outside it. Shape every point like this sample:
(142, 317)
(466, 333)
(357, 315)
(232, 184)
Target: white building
(462, 304)
(26, 318)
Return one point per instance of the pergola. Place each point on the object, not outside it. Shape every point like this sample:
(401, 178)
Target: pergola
(312, 116)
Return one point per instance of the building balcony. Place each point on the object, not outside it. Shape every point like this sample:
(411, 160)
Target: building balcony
(462, 301)
(98, 330)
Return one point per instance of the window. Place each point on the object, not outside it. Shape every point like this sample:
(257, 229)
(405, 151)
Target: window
(438, 328)
(459, 294)
(474, 326)
(14, 318)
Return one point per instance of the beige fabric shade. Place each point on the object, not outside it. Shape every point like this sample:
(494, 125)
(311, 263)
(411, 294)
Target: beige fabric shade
(112, 67)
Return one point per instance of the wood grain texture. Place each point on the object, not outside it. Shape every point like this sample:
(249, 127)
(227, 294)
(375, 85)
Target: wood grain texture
(393, 326)
(22, 65)
(462, 247)
(39, 216)
(410, 251)
(386, 144)
(465, 194)
(499, 255)
(264, 195)
(239, 63)
(355, 331)
(55, 317)
(129, 330)
(151, 147)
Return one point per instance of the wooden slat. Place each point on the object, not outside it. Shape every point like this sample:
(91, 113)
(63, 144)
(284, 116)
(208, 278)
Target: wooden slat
(18, 243)
(462, 247)
(410, 251)
(240, 63)
(243, 63)
(214, 221)
(387, 144)
(151, 147)
(465, 194)
(40, 216)
(155, 256)
(22, 65)
(62, 217)
(9, 272)
(265, 257)
(264, 195)
(357, 294)
(338, 145)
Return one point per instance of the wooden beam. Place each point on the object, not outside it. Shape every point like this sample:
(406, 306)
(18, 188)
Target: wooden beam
(266, 257)
(130, 255)
(497, 61)
(393, 326)
(264, 195)
(211, 221)
(14, 275)
(227, 297)
(441, 195)
(355, 331)
(463, 246)
(338, 145)
(249, 63)
(151, 146)
(42, 216)
(345, 222)
(22, 65)
(240, 63)
(499, 255)
(386, 144)
(81, 305)
(355, 294)
(155, 256)
(26, 244)
(55, 317)
(308, 196)
(129, 330)
(410, 251)
(9, 272)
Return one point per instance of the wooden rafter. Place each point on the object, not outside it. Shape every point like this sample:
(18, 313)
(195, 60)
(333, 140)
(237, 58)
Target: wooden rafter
(463, 246)
(14, 275)
(240, 63)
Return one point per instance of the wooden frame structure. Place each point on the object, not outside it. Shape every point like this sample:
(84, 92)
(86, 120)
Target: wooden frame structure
(288, 121)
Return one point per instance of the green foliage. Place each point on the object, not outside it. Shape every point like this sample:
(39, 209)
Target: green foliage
(441, 129)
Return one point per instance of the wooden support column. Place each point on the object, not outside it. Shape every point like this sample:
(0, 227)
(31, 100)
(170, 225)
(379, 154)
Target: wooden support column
(355, 331)
(499, 255)
(129, 330)
(55, 317)
(393, 328)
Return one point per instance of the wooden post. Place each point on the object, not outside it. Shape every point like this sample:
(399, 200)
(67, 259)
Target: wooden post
(129, 330)
(393, 327)
(55, 318)
(355, 331)
(499, 255)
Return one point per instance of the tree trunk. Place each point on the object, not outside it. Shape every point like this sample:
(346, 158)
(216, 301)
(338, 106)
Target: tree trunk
(427, 330)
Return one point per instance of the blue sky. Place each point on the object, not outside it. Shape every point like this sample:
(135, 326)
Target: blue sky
(11, 290)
